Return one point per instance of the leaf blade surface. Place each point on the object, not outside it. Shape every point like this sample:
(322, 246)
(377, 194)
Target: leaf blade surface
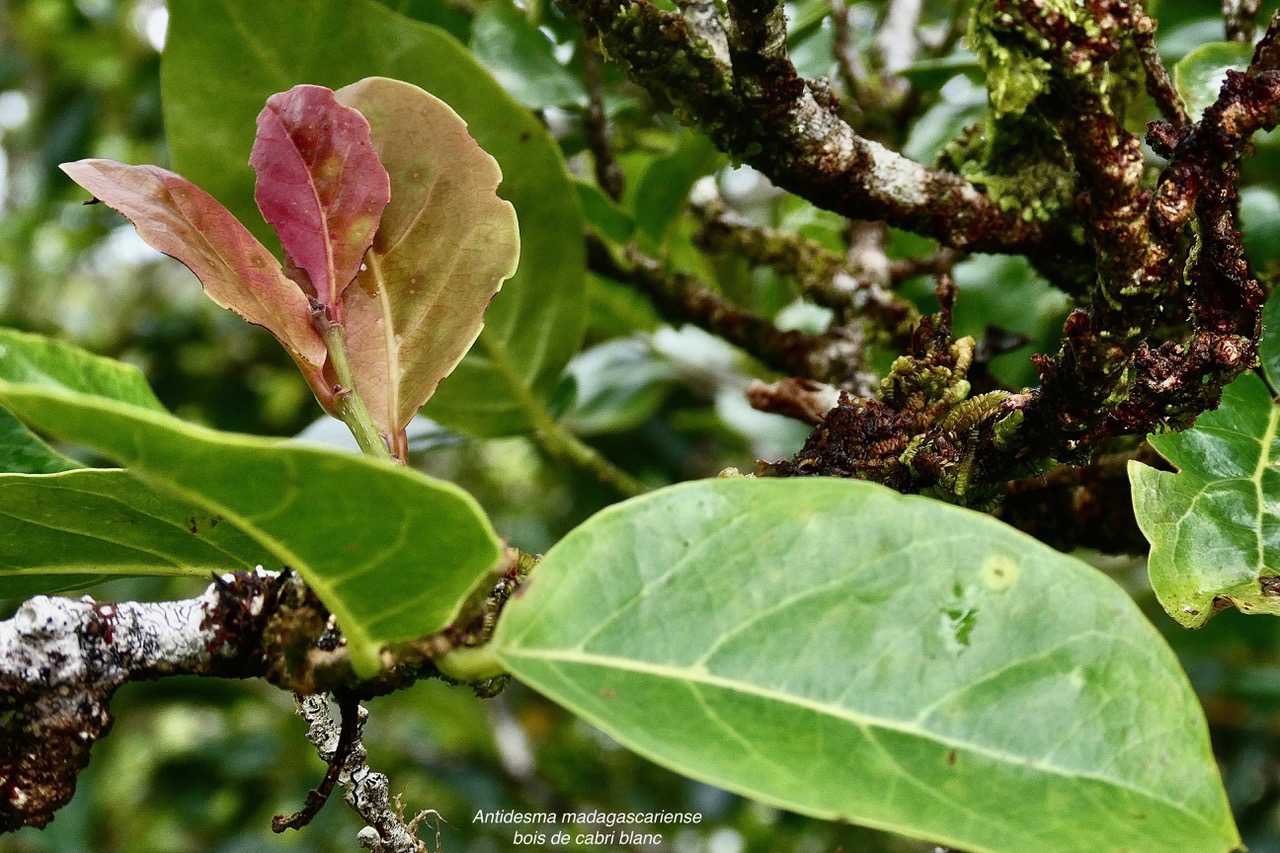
(178, 218)
(1213, 526)
(902, 649)
(390, 552)
(537, 321)
(72, 529)
(446, 244)
(319, 184)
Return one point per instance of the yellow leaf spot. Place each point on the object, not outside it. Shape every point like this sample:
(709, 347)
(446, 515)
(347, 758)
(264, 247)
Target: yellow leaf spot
(999, 573)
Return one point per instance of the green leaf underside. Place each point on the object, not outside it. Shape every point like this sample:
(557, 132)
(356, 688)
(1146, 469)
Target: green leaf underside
(390, 552)
(445, 246)
(535, 324)
(70, 530)
(36, 360)
(940, 674)
(1214, 527)
(21, 452)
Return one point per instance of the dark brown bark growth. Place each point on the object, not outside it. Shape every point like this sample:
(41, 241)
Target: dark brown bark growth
(1170, 316)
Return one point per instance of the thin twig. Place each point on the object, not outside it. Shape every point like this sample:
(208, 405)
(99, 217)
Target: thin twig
(348, 709)
(1159, 85)
(608, 173)
(852, 287)
(366, 792)
(682, 298)
(1239, 19)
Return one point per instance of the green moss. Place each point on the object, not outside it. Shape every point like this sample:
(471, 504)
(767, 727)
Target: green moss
(1016, 74)
(1021, 163)
(1018, 61)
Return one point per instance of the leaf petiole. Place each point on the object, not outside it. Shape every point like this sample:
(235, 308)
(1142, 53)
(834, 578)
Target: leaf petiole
(351, 406)
(470, 663)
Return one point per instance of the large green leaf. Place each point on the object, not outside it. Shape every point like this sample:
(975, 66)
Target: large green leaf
(523, 59)
(391, 552)
(665, 186)
(1214, 526)
(533, 327)
(42, 361)
(840, 650)
(69, 530)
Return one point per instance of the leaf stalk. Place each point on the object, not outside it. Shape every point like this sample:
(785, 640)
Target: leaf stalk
(350, 405)
(470, 663)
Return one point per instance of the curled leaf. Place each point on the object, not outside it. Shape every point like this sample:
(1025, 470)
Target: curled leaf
(178, 218)
(320, 185)
(446, 244)
(1214, 526)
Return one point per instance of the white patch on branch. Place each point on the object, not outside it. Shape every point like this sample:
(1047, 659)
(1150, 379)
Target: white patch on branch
(899, 179)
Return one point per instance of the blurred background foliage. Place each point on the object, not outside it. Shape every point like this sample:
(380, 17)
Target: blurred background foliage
(201, 766)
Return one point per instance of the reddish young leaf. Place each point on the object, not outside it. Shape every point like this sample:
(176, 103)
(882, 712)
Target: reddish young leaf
(445, 245)
(320, 185)
(186, 223)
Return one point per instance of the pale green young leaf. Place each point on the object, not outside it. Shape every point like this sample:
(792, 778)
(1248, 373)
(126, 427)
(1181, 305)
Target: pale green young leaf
(1214, 526)
(1198, 76)
(836, 649)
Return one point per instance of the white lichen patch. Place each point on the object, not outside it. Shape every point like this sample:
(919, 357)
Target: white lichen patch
(901, 180)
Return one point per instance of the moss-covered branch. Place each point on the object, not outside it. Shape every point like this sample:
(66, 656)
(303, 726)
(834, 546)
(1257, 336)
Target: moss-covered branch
(758, 108)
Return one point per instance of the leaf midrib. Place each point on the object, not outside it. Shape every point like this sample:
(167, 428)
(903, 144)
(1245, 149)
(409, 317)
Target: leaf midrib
(862, 721)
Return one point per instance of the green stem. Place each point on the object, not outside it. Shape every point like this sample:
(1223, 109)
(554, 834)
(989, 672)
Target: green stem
(351, 407)
(557, 441)
(475, 663)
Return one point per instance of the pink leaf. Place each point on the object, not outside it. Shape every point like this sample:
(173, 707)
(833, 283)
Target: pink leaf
(320, 185)
(445, 245)
(178, 218)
